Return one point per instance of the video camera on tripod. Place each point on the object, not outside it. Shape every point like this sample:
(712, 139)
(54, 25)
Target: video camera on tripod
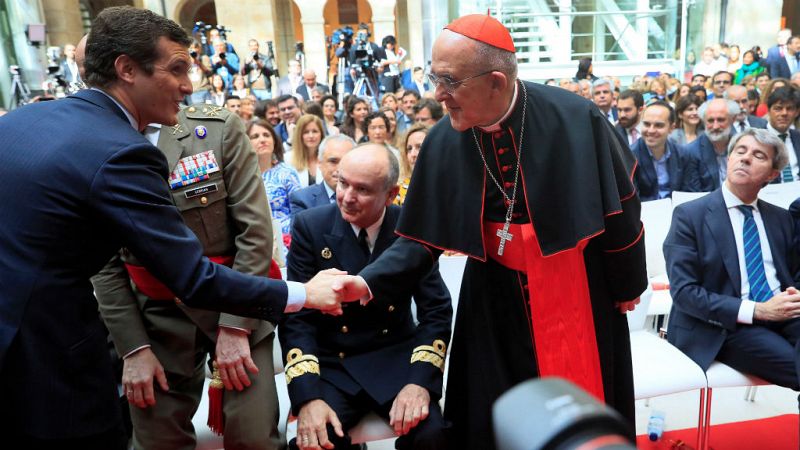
(55, 79)
(364, 62)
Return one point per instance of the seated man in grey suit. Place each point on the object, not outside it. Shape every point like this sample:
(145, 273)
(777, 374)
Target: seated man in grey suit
(331, 151)
(734, 270)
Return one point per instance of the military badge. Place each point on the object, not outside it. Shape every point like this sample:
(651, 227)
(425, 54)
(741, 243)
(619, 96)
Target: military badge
(200, 131)
(326, 253)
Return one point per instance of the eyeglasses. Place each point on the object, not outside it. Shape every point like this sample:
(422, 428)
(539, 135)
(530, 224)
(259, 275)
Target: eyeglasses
(449, 84)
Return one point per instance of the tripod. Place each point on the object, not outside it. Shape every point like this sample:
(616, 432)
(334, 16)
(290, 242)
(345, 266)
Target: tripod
(19, 92)
(366, 87)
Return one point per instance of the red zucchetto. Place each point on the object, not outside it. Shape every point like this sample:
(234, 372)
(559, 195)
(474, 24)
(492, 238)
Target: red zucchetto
(483, 28)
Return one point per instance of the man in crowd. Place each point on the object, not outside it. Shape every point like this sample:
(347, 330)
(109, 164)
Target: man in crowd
(332, 363)
(288, 84)
(331, 150)
(69, 68)
(741, 305)
(721, 81)
(290, 111)
(783, 105)
(258, 71)
(708, 153)
(309, 84)
(629, 107)
(783, 66)
(743, 120)
(233, 104)
(708, 64)
(762, 80)
(603, 97)
(161, 340)
(662, 163)
(223, 63)
(62, 229)
(272, 113)
(504, 132)
(418, 81)
(405, 117)
(428, 111)
(699, 79)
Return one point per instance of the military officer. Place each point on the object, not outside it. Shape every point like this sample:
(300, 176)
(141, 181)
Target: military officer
(372, 358)
(216, 186)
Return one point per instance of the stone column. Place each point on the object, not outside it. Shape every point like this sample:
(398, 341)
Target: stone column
(63, 19)
(314, 35)
(382, 18)
(416, 46)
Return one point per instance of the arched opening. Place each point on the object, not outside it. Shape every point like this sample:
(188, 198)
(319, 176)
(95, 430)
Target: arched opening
(192, 11)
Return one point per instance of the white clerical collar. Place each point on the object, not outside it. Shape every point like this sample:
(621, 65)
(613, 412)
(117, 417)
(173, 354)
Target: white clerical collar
(496, 126)
(134, 122)
(372, 230)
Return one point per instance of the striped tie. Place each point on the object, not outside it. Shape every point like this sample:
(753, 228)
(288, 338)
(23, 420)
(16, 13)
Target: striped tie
(759, 288)
(786, 173)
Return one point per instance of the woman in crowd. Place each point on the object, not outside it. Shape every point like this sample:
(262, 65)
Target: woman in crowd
(239, 87)
(699, 92)
(584, 70)
(305, 143)
(683, 91)
(280, 180)
(248, 109)
(376, 131)
(750, 67)
(392, 132)
(657, 89)
(761, 110)
(357, 110)
(408, 157)
(734, 63)
(688, 126)
(219, 92)
(389, 100)
(329, 108)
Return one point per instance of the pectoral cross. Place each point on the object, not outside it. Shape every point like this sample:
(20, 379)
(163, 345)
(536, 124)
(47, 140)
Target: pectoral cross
(504, 236)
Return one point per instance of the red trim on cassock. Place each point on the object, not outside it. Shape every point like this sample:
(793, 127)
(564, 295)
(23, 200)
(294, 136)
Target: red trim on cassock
(638, 238)
(564, 336)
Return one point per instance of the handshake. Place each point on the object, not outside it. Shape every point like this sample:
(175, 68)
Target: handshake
(330, 288)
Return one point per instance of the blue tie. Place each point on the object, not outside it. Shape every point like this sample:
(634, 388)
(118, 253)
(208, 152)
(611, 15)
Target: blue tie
(759, 288)
(786, 173)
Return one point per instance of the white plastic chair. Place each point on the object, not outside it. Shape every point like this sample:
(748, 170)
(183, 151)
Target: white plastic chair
(659, 368)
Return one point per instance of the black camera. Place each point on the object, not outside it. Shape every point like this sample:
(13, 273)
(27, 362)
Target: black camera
(222, 55)
(255, 56)
(554, 414)
(193, 54)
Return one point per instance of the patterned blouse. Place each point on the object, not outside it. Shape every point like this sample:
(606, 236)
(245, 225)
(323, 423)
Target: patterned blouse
(280, 181)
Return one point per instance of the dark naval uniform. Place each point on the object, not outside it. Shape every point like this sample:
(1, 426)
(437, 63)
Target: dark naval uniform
(216, 186)
(359, 361)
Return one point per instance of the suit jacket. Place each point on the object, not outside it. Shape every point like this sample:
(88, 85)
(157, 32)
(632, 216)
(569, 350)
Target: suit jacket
(777, 66)
(67, 204)
(756, 122)
(367, 347)
(229, 220)
(69, 75)
(308, 197)
(794, 210)
(702, 165)
(304, 91)
(646, 178)
(704, 275)
(795, 135)
(285, 85)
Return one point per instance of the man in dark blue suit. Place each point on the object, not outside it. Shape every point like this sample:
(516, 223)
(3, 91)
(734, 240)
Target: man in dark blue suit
(783, 66)
(783, 105)
(373, 358)
(331, 151)
(69, 201)
(734, 271)
(662, 163)
(708, 153)
(743, 120)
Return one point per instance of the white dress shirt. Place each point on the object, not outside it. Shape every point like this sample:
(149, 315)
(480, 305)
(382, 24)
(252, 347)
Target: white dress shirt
(747, 308)
(790, 150)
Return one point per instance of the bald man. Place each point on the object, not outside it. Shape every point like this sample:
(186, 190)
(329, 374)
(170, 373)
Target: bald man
(306, 89)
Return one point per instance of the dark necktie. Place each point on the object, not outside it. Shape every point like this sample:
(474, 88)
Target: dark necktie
(363, 242)
(756, 276)
(786, 173)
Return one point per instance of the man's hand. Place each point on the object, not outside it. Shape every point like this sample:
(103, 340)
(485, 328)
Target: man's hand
(138, 371)
(410, 407)
(329, 288)
(630, 305)
(311, 425)
(781, 307)
(352, 288)
(233, 358)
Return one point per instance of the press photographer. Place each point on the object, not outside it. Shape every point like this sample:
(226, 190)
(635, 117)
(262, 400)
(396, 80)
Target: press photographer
(222, 63)
(258, 69)
(364, 60)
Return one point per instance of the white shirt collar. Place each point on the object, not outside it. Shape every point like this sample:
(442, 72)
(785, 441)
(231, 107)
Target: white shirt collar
(496, 126)
(732, 201)
(328, 190)
(134, 122)
(372, 230)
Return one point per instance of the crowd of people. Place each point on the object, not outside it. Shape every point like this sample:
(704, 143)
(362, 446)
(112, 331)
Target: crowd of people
(306, 183)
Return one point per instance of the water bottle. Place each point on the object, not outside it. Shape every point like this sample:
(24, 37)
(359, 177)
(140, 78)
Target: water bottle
(655, 426)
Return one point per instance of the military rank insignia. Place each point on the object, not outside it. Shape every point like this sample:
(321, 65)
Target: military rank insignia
(200, 131)
(193, 168)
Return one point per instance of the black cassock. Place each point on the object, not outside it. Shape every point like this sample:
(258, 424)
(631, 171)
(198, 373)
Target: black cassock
(576, 189)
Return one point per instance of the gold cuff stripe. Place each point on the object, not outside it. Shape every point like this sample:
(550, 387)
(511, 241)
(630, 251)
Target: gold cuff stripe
(434, 354)
(298, 364)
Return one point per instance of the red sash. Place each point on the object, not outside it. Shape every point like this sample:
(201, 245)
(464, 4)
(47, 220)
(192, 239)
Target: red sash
(561, 311)
(150, 286)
